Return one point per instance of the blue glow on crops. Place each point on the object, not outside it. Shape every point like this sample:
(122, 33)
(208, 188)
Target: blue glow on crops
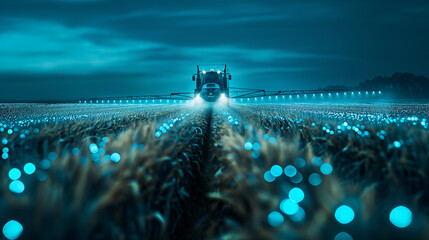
(296, 194)
(248, 146)
(299, 216)
(326, 168)
(344, 214)
(317, 161)
(289, 207)
(14, 174)
(297, 178)
(158, 134)
(12, 229)
(276, 170)
(401, 216)
(256, 146)
(290, 171)
(269, 177)
(75, 151)
(106, 158)
(275, 219)
(4, 141)
(10, 131)
(52, 156)
(115, 157)
(93, 148)
(41, 175)
(343, 236)
(105, 139)
(397, 144)
(6, 149)
(16, 186)
(255, 154)
(315, 179)
(45, 164)
(5, 155)
(29, 168)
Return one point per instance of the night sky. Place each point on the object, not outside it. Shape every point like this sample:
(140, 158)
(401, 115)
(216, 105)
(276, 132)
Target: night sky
(71, 49)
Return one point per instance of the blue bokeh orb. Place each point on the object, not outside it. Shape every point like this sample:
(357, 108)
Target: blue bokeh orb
(12, 229)
(289, 207)
(326, 169)
(296, 194)
(269, 177)
(343, 236)
(299, 216)
(275, 219)
(276, 170)
(14, 174)
(290, 171)
(401, 216)
(315, 179)
(115, 157)
(16, 186)
(29, 168)
(344, 214)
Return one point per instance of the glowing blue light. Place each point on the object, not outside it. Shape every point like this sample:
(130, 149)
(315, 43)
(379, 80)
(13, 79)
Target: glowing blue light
(16, 186)
(4, 141)
(255, 154)
(397, 144)
(289, 207)
(344, 214)
(275, 219)
(158, 134)
(343, 236)
(256, 146)
(93, 148)
(248, 146)
(326, 168)
(276, 170)
(315, 179)
(300, 162)
(401, 216)
(52, 156)
(14, 174)
(299, 216)
(115, 157)
(29, 168)
(5, 155)
(75, 151)
(290, 171)
(6, 149)
(12, 229)
(45, 164)
(269, 177)
(41, 175)
(296, 194)
(297, 178)
(317, 161)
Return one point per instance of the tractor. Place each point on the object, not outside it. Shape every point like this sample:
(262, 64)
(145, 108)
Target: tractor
(211, 84)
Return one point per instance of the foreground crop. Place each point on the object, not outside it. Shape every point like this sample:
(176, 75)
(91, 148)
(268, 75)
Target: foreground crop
(260, 172)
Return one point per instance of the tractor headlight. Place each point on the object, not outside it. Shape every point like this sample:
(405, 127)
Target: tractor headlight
(198, 98)
(223, 99)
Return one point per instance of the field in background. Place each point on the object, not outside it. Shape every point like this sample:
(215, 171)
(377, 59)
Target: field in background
(268, 171)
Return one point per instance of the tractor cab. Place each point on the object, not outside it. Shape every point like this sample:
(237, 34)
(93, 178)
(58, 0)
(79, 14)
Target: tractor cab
(212, 84)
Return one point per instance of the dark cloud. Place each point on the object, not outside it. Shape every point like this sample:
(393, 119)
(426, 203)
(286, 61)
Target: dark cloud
(154, 46)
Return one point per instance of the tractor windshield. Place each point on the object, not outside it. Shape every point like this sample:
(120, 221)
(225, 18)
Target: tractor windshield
(211, 77)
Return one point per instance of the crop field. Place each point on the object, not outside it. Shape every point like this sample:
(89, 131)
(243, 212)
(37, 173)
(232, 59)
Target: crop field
(244, 171)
